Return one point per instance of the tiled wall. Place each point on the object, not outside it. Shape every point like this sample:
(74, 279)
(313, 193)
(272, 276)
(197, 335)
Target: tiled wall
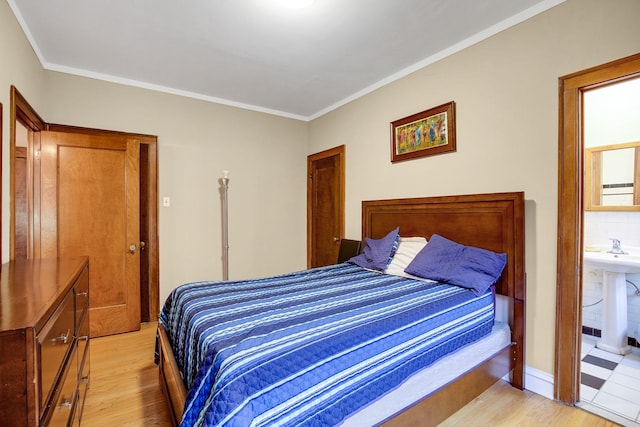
(598, 228)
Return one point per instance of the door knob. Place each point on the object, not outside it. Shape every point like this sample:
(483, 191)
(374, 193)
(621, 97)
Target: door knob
(132, 247)
(336, 239)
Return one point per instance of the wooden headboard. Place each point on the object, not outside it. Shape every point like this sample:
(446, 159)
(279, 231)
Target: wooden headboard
(492, 221)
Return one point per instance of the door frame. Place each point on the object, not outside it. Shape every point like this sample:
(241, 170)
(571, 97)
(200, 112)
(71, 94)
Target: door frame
(570, 218)
(22, 111)
(0, 179)
(331, 152)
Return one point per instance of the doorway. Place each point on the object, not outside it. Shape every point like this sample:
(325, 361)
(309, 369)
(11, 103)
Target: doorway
(325, 206)
(35, 211)
(610, 294)
(571, 219)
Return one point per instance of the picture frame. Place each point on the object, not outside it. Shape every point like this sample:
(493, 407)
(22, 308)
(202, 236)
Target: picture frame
(423, 134)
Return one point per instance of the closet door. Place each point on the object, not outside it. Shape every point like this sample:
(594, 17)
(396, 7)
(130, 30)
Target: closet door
(325, 206)
(90, 206)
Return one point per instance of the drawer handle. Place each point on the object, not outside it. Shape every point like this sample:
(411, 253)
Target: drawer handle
(84, 338)
(62, 338)
(83, 294)
(84, 379)
(66, 403)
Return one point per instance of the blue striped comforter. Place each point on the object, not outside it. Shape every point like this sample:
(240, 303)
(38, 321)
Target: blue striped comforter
(311, 347)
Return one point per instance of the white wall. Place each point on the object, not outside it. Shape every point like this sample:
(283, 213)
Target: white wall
(266, 157)
(19, 67)
(506, 93)
(265, 154)
(598, 228)
(611, 114)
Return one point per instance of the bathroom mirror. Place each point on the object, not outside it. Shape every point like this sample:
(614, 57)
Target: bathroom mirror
(612, 177)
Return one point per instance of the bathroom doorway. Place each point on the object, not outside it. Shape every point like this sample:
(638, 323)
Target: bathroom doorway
(567, 377)
(610, 358)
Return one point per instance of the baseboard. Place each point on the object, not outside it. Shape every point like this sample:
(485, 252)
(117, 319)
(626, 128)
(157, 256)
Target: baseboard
(538, 382)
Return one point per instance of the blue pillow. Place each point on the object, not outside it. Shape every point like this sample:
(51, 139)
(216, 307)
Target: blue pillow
(378, 253)
(449, 262)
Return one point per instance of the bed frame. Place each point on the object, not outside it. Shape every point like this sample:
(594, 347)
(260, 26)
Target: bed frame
(491, 221)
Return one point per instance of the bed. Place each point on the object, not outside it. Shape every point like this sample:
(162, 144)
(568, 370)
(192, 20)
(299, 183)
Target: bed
(494, 222)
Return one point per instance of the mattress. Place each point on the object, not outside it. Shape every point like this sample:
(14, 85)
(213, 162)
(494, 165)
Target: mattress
(432, 378)
(312, 347)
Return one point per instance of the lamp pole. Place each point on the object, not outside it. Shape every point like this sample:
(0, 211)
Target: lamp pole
(225, 225)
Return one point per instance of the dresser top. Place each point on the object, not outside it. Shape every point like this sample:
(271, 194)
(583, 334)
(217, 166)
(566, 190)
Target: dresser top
(29, 289)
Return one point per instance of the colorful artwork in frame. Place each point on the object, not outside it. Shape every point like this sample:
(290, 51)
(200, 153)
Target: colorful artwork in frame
(426, 133)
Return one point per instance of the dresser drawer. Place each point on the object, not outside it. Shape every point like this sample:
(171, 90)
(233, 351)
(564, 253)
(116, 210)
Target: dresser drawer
(83, 385)
(53, 343)
(82, 317)
(83, 336)
(62, 409)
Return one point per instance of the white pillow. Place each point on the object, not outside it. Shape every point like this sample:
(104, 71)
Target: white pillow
(408, 248)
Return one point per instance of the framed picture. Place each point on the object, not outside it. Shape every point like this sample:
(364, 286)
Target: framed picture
(429, 132)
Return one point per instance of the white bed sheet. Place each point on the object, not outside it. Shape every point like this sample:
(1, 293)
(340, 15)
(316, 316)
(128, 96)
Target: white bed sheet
(432, 377)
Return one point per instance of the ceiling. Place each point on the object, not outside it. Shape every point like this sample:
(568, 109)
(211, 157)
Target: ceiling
(260, 54)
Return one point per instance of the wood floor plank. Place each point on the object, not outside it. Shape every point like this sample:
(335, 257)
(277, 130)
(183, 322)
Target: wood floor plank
(125, 392)
(124, 389)
(502, 405)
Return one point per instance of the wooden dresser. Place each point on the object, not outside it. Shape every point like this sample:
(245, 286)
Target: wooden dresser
(44, 341)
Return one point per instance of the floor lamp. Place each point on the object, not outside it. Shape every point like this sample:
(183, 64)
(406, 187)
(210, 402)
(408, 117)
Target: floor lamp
(225, 225)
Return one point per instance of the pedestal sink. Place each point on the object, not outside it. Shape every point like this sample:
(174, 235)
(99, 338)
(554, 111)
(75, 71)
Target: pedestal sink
(614, 324)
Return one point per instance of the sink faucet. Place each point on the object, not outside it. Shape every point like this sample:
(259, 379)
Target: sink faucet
(616, 249)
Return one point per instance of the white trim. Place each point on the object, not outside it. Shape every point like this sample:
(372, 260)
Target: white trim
(495, 29)
(538, 382)
(477, 38)
(169, 90)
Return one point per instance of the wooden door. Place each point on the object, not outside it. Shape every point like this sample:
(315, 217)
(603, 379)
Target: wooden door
(325, 206)
(90, 206)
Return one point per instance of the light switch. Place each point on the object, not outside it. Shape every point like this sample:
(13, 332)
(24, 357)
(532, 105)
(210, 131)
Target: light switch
(166, 201)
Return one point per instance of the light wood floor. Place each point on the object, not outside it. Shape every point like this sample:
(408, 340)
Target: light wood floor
(125, 391)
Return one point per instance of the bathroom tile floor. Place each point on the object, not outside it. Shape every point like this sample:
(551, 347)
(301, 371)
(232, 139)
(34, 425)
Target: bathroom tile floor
(610, 383)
